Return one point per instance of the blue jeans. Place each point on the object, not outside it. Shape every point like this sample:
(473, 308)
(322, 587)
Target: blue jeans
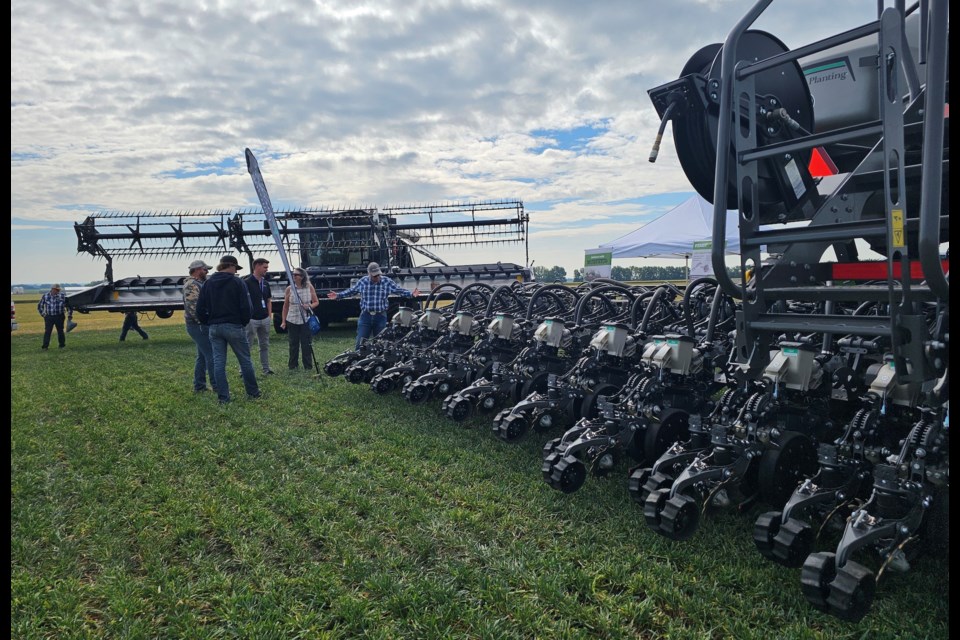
(222, 334)
(203, 366)
(369, 324)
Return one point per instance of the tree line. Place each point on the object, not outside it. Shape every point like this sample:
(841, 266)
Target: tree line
(623, 274)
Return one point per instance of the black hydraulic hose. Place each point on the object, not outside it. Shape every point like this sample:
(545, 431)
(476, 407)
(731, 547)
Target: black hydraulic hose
(714, 312)
(581, 304)
(686, 299)
(655, 151)
(648, 313)
(544, 290)
(646, 295)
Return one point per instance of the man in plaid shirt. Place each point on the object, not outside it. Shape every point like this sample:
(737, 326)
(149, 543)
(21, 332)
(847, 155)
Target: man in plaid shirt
(374, 289)
(52, 307)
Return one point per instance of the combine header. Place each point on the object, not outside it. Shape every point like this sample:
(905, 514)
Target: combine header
(333, 245)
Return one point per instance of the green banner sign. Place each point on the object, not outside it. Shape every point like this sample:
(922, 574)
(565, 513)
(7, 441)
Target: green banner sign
(598, 259)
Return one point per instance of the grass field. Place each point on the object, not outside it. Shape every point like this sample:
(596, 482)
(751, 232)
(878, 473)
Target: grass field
(141, 510)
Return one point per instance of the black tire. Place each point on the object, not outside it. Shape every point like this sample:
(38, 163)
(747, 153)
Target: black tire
(164, 314)
(783, 467)
(851, 592)
(818, 572)
(588, 406)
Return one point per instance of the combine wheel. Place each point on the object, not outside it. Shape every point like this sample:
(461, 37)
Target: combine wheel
(334, 368)
(416, 393)
(382, 386)
(851, 592)
(660, 435)
(765, 529)
(638, 478)
(568, 474)
(680, 517)
(793, 543)
(513, 427)
(818, 572)
(459, 408)
(784, 467)
(356, 375)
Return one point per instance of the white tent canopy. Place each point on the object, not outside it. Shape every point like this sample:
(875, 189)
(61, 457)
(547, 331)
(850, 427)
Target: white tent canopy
(675, 232)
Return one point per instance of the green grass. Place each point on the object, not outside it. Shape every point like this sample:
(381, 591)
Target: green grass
(141, 510)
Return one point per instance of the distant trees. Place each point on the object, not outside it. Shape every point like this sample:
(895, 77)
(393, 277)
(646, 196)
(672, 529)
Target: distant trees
(624, 274)
(550, 274)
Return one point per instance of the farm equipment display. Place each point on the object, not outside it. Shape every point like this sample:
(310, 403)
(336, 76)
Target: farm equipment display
(844, 137)
(333, 245)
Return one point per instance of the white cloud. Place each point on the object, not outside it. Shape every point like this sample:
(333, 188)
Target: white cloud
(379, 103)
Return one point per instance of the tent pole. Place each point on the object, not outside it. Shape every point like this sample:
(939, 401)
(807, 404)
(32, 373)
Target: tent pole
(686, 260)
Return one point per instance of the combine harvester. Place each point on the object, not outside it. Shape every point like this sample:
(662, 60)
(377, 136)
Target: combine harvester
(847, 135)
(333, 245)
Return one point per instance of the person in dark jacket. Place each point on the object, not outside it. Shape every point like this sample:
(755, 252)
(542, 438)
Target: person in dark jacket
(224, 306)
(52, 307)
(130, 322)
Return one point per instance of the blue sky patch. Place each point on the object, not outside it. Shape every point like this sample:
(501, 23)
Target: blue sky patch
(575, 139)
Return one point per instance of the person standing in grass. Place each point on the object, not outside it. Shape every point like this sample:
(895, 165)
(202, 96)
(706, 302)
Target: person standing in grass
(52, 307)
(130, 322)
(374, 289)
(224, 306)
(198, 332)
(260, 296)
(295, 318)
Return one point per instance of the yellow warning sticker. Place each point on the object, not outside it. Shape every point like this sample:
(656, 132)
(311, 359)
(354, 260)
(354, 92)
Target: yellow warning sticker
(899, 242)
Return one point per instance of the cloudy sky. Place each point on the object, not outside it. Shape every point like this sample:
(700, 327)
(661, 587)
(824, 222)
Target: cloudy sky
(148, 106)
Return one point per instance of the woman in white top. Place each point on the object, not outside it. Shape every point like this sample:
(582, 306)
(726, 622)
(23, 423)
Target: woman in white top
(295, 319)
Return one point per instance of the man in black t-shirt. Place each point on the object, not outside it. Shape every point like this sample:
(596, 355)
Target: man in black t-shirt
(260, 298)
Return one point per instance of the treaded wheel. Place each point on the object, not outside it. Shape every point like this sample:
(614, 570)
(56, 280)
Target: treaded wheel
(568, 474)
(635, 481)
(653, 506)
(673, 426)
(782, 468)
(459, 408)
(550, 447)
(765, 529)
(653, 483)
(416, 393)
(793, 543)
(852, 591)
(334, 368)
(497, 419)
(680, 517)
(818, 572)
(382, 386)
(513, 427)
(356, 375)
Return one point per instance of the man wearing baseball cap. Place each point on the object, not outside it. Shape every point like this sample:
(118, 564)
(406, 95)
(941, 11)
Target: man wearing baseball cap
(198, 332)
(224, 306)
(374, 289)
(52, 307)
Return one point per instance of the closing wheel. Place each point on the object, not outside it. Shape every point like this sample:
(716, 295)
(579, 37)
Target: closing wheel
(334, 368)
(356, 375)
(382, 386)
(550, 447)
(653, 506)
(653, 482)
(637, 478)
(660, 435)
(568, 474)
(782, 468)
(513, 427)
(764, 531)
(680, 517)
(818, 572)
(851, 592)
(501, 415)
(459, 408)
(793, 543)
(416, 392)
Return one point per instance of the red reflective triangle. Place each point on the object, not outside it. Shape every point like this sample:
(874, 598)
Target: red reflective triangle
(821, 164)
